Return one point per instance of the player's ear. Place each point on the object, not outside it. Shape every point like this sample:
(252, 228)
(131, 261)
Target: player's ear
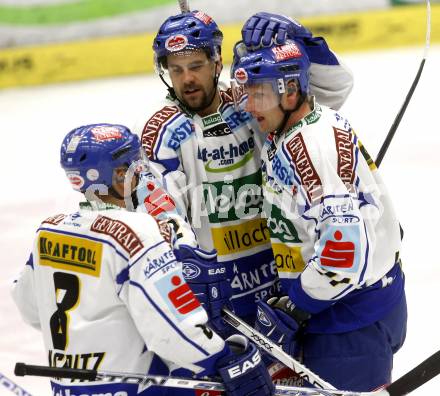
(119, 175)
(291, 88)
(292, 94)
(219, 66)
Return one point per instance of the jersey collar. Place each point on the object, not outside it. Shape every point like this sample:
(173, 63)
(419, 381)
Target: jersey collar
(95, 205)
(310, 118)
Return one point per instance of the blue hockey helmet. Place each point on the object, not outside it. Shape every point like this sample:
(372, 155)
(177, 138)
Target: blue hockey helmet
(90, 153)
(187, 31)
(277, 64)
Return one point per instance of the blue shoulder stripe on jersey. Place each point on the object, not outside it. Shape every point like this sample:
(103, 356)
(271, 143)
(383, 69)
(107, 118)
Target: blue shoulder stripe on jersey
(123, 274)
(170, 164)
(164, 131)
(295, 175)
(176, 329)
(84, 237)
(356, 155)
(30, 261)
(146, 251)
(367, 252)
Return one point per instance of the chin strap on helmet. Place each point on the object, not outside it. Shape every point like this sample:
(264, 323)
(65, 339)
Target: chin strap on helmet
(112, 191)
(288, 112)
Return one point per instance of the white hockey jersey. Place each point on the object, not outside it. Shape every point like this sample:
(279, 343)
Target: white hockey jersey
(211, 167)
(334, 232)
(107, 293)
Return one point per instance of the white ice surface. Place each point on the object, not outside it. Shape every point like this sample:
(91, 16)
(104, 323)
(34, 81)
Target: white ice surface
(33, 122)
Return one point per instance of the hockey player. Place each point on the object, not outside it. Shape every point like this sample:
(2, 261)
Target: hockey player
(106, 289)
(333, 228)
(208, 152)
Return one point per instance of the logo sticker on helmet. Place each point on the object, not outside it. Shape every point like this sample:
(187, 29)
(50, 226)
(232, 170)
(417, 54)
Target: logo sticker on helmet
(76, 180)
(101, 133)
(73, 144)
(205, 18)
(286, 51)
(241, 75)
(92, 174)
(176, 43)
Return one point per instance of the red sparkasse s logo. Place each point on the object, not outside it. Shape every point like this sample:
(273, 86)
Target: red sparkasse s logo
(338, 253)
(241, 75)
(182, 297)
(286, 51)
(158, 201)
(102, 133)
(176, 43)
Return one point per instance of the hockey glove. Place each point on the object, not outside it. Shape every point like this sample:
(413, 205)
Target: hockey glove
(264, 28)
(279, 320)
(243, 371)
(207, 279)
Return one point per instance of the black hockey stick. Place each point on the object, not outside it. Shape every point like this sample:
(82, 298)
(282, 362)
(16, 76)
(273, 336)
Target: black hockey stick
(404, 385)
(409, 95)
(184, 6)
(415, 378)
(146, 381)
(412, 380)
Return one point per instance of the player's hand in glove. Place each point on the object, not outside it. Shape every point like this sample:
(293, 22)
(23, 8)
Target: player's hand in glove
(263, 28)
(279, 320)
(243, 371)
(207, 279)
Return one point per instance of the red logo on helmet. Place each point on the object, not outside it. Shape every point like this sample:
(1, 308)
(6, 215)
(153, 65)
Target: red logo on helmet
(241, 76)
(176, 43)
(205, 18)
(102, 133)
(75, 180)
(286, 51)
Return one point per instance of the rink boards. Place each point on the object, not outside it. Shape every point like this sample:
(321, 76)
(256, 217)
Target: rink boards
(132, 54)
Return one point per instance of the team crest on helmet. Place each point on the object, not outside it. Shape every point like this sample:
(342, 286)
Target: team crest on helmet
(102, 133)
(176, 43)
(76, 180)
(241, 75)
(262, 318)
(286, 51)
